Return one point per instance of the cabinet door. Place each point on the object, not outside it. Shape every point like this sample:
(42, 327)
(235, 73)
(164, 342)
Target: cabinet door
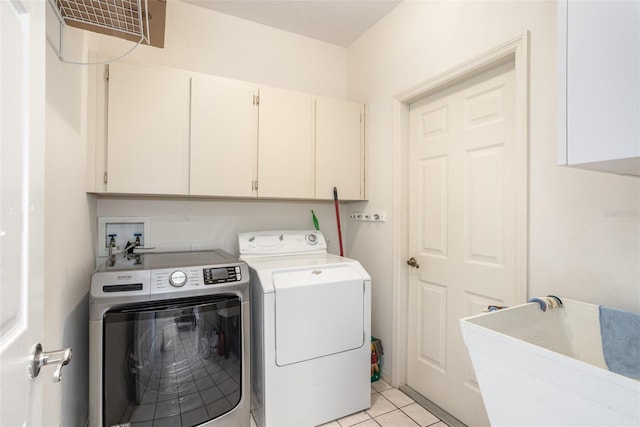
(599, 84)
(223, 137)
(339, 149)
(148, 130)
(285, 144)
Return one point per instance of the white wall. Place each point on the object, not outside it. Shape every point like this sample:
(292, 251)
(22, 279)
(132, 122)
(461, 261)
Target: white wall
(584, 226)
(206, 41)
(584, 229)
(177, 224)
(70, 230)
(199, 39)
(196, 39)
(202, 40)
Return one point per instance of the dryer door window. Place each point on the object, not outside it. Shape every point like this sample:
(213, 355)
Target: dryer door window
(318, 312)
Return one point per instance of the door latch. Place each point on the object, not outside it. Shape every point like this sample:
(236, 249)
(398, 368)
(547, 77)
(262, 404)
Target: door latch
(41, 358)
(413, 263)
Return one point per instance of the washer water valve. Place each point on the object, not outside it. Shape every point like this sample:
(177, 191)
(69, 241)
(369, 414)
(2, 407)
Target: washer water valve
(112, 244)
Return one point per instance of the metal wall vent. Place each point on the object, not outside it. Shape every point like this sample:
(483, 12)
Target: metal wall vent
(126, 16)
(128, 19)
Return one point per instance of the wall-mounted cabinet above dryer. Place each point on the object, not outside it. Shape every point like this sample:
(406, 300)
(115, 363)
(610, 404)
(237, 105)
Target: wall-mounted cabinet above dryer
(599, 85)
(174, 132)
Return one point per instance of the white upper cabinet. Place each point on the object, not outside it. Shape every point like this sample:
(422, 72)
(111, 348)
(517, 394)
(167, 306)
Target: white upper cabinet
(148, 130)
(599, 85)
(223, 137)
(285, 144)
(339, 149)
(174, 132)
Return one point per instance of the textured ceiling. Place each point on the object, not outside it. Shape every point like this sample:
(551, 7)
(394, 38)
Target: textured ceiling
(338, 22)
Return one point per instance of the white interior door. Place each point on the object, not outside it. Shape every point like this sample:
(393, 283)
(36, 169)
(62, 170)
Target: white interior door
(21, 206)
(462, 230)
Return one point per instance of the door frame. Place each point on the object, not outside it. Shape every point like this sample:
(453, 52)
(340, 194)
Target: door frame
(516, 49)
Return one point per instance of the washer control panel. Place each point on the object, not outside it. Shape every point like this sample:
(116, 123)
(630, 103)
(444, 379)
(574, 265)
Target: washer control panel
(169, 272)
(193, 278)
(217, 275)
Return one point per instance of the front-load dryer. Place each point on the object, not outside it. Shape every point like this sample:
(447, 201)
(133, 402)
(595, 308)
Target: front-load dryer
(311, 325)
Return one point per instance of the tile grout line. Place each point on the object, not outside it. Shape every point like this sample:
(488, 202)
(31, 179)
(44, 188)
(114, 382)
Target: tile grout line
(432, 407)
(399, 408)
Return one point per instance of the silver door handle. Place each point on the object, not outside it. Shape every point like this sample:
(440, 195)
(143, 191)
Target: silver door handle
(413, 263)
(41, 358)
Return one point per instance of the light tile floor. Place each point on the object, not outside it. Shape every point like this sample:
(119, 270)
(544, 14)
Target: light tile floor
(389, 408)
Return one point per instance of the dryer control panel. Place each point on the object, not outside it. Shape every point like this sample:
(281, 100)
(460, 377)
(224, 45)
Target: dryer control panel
(281, 242)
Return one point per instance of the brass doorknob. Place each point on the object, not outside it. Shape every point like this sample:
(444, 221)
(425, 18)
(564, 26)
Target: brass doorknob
(413, 263)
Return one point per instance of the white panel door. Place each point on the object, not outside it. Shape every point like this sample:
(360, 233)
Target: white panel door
(148, 130)
(22, 102)
(339, 149)
(286, 166)
(223, 137)
(462, 230)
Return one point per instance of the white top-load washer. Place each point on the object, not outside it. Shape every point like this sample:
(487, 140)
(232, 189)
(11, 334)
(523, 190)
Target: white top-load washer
(311, 326)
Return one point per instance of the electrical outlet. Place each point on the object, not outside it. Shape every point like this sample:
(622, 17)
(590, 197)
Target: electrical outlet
(368, 216)
(378, 216)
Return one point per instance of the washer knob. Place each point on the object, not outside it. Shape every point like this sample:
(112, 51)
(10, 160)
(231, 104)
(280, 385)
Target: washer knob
(178, 279)
(312, 239)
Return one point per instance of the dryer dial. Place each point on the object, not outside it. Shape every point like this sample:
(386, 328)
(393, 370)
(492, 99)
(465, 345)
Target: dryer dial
(312, 239)
(178, 279)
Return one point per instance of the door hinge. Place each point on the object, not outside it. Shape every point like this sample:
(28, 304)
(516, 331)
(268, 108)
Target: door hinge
(256, 99)
(105, 178)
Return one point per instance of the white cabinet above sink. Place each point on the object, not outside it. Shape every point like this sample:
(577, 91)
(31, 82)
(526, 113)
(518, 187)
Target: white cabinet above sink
(599, 85)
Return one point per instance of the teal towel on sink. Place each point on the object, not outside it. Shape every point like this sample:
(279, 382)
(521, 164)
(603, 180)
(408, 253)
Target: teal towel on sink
(620, 331)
